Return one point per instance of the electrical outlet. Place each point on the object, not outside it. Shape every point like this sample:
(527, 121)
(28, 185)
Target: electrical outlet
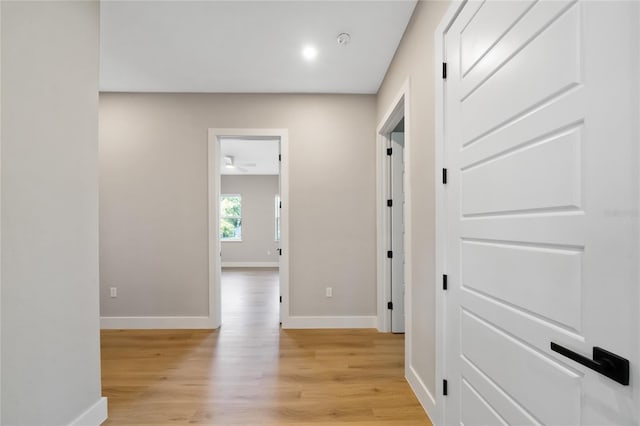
(113, 291)
(329, 292)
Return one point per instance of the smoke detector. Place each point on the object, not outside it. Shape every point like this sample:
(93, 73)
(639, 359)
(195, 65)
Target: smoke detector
(343, 39)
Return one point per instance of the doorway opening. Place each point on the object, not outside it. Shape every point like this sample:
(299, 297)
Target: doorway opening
(248, 216)
(393, 219)
(395, 202)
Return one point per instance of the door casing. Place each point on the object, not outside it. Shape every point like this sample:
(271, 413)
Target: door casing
(449, 17)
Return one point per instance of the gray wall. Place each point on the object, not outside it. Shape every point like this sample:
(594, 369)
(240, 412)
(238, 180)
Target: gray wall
(153, 198)
(50, 322)
(258, 218)
(415, 59)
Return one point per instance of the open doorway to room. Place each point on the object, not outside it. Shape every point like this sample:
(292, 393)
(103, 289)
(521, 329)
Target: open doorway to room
(249, 230)
(248, 227)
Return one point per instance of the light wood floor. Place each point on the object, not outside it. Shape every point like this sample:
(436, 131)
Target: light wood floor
(252, 373)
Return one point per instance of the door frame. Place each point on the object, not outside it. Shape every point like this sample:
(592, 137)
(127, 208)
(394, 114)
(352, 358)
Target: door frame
(440, 209)
(400, 108)
(214, 173)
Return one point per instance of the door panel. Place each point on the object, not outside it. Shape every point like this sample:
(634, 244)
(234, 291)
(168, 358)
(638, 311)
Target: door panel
(517, 37)
(545, 175)
(558, 405)
(483, 412)
(397, 232)
(549, 280)
(490, 23)
(542, 243)
(557, 45)
(506, 408)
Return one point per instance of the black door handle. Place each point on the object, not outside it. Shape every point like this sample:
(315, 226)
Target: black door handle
(604, 362)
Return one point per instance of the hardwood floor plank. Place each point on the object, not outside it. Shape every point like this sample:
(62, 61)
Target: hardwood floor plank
(249, 372)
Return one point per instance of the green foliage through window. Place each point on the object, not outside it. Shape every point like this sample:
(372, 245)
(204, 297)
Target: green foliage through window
(230, 217)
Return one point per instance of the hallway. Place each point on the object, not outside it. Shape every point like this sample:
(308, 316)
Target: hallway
(251, 373)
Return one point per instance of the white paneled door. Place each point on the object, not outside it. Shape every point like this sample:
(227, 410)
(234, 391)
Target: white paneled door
(541, 147)
(397, 231)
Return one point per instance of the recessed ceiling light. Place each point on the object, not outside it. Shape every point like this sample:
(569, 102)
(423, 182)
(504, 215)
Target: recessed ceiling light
(309, 53)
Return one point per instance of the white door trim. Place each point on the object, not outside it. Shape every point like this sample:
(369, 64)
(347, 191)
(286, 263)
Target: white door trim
(399, 109)
(94, 415)
(440, 206)
(214, 194)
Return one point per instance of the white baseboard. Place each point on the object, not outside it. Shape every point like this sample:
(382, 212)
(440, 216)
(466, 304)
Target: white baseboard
(94, 416)
(330, 322)
(249, 264)
(425, 397)
(126, 323)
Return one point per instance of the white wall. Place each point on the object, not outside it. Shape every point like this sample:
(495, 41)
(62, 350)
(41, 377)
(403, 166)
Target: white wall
(258, 245)
(50, 323)
(153, 198)
(414, 59)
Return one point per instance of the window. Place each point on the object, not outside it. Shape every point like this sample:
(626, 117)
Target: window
(277, 217)
(230, 217)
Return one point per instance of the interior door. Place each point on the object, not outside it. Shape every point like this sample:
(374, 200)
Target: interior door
(541, 147)
(278, 215)
(397, 232)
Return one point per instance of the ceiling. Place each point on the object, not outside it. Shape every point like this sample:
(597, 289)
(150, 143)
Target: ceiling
(248, 46)
(256, 156)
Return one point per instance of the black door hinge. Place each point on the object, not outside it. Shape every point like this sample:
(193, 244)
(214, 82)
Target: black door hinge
(389, 203)
(390, 254)
(280, 299)
(389, 151)
(279, 157)
(280, 204)
(445, 391)
(280, 252)
(444, 282)
(444, 70)
(444, 176)
(390, 305)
